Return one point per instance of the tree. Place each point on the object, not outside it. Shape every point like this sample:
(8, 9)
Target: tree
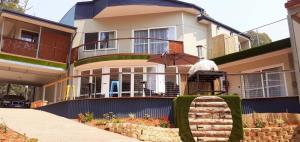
(258, 39)
(14, 5)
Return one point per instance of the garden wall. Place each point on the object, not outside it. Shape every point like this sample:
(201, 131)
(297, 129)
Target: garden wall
(145, 133)
(272, 134)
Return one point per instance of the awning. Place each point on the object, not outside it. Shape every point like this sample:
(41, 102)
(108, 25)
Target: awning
(174, 59)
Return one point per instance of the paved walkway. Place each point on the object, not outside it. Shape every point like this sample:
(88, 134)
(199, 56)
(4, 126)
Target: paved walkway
(51, 128)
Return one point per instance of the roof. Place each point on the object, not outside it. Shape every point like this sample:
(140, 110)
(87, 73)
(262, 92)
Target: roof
(292, 3)
(203, 17)
(252, 52)
(36, 18)
(89, 9)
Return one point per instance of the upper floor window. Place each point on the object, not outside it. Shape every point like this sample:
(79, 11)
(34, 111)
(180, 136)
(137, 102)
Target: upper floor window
(157, 42)
(90, 41)
(29, 36)
(105, 38)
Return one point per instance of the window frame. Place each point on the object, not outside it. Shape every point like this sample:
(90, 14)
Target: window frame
(99, 39)
(84, 48)
(260, 69)
(148, 29)
(31, 31)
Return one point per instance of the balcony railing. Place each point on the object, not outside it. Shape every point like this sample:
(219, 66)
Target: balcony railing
(30, 49)
(145, 46)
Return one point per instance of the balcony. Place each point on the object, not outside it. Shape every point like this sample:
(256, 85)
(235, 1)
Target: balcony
(132, 46)
(30, 49)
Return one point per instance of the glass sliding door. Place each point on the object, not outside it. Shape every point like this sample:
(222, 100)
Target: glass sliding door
(141, 41)
(84, 83)
(97, 83)
(158, 41)
(107, 40)
(114, 86)
(126, 82)
(138, 82)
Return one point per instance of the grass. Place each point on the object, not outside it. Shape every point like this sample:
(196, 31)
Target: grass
(110, 58)
(32, 61)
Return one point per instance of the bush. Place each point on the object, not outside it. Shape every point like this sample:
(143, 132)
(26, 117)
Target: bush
(109, 116)
(87, 117)
(181, 107)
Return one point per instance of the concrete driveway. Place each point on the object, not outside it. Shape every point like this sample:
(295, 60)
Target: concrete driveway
(47, 127)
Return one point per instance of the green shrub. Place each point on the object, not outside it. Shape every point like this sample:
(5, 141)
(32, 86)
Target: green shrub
(259, 124)
(181, 107)
(87, 117)
(101, 122)
(109, 116)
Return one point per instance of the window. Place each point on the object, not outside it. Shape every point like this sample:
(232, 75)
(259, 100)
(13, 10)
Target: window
(29, 36)
(90, 41)
(265, 83)
(158, 42)
(85, 81)
(97, 80)
(106, 40)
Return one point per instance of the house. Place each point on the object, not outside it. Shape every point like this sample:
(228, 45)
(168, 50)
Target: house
(120, 46)
(262, 72)
(33, 51)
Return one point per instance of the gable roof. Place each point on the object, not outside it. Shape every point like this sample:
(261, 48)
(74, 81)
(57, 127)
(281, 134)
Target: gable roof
(252, 52)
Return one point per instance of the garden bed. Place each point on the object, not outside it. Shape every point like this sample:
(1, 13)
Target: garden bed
(144, 129)
(8, 135)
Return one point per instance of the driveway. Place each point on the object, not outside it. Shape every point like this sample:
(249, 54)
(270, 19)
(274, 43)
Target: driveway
(47, 127)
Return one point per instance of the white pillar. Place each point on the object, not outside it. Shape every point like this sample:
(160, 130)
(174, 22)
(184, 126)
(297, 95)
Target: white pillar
(55, 92)
(132, 82)
(144, 79)
(105, 82)
(44, 93)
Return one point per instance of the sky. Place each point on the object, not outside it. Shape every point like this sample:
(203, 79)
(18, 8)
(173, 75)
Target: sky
(242, 15)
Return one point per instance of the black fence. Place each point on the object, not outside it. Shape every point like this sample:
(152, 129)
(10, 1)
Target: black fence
(271, 105)
(155, 107)
(160, 107)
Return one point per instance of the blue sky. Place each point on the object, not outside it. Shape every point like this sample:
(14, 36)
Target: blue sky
(243, 15)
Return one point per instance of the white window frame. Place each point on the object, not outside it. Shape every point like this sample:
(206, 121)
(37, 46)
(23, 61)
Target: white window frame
(99, 39)
(23, 29)
(148, 29)
(84, 49)
(99, 43)
(260, 69)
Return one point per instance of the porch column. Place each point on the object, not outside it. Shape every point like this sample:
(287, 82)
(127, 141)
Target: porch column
(145, 80)
(39, 43)
(44, 93)
(132, 82)
(55, 92)
(2, 32)
(105, 81)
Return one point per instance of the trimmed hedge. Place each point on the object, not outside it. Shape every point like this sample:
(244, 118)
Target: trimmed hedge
(110, 58)
(274, 46)
(33, 61)
(181, 106)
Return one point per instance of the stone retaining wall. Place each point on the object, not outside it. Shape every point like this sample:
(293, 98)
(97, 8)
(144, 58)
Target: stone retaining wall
(145, 133)
(274, 134)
